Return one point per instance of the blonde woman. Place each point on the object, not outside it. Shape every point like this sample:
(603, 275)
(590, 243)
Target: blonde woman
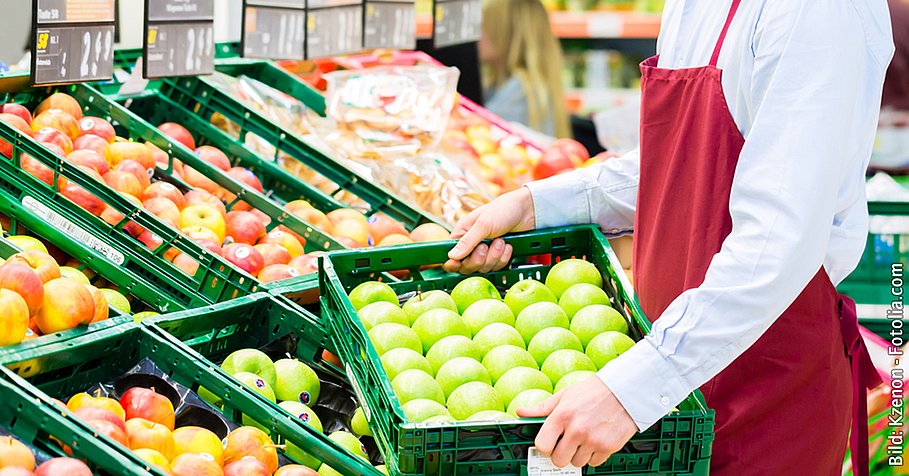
(522, 63)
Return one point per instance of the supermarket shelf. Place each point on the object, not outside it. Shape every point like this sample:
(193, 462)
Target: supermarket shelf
(585, 25)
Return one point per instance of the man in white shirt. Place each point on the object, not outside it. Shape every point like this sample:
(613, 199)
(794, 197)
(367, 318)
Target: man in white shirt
(747, 203)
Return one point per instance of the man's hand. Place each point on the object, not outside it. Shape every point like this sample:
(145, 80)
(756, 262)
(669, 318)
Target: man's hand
(509, 213)
(585, 424)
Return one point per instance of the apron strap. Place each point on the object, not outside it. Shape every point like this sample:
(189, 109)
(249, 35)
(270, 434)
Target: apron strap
(719, 42)
(864, 376)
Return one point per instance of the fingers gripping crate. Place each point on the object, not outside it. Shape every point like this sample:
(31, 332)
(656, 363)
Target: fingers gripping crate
(215, 279)
(42, 426)
(279, 328)
(680, 443)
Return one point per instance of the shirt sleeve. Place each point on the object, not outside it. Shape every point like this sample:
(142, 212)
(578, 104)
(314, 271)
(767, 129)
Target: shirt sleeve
(808, 124)
(604, 194)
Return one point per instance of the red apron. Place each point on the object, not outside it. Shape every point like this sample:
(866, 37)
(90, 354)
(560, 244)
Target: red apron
(782, 406)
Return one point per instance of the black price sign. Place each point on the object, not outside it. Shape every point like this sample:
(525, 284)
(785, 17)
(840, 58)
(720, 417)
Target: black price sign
(73, 41)
(390, 24)
(179, 38)
(456, 22)
(333, 27)
(274, 29)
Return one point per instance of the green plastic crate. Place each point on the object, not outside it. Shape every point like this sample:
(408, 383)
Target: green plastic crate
(68, 368)
(678, 444)
(37, 422)
(276, 77)
(869, 283)
(260, 321)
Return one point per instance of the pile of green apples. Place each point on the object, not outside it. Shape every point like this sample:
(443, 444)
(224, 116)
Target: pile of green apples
(474, 355)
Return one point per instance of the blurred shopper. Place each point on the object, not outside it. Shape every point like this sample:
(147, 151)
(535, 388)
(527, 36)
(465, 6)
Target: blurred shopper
(522, 66)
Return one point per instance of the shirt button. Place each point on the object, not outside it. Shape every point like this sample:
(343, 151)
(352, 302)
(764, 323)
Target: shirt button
(664, 401)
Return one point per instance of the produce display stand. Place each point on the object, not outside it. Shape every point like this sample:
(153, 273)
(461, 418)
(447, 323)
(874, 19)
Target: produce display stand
(262, 321)
(869, 284)
(680, 443)
(215, 280)
(36, 421)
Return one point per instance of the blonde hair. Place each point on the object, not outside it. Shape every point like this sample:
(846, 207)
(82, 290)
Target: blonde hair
(520, 34)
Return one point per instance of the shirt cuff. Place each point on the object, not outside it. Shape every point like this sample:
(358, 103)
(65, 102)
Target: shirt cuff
(560, 200)
(645, 383)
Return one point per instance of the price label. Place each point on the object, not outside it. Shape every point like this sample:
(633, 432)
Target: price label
(539, 464)
(456, 22)
(179, 38)
(390, 24)
(333, 27)
(274, 31)
(73, 41)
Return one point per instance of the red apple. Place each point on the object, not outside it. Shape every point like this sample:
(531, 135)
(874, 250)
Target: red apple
(53, 136)
(83, 198)
(59, 120)
(98, 413)
(165, 190)
(244, 227)
(110, 430)
(265, 219)
(308, 263)
(97, 126)
(18, 110)
(6, 149)
(246, 466)
(93, 143)
(113, 217)
(382, 225)
(137, 169)
(186, 264)
(21, 278)
(140, 402)
(244, 257)
(90, 159)
(61, 466)
(37, 169)
(277, 272)
(200, 182)
(201, 197)
(193, 464)
(43, 264)
(165, 209)
(60, 101)
(123, 182)
(244, 175)
(178, 133)
(153, 242)
(273, 254)
(282, 237)
(210, 245)
(213, 156)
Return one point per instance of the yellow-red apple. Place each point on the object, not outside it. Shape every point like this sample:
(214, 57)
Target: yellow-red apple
(6, 149)
(382, 225)
(164, 190)
(244, 257)
(192, 464)
(178, 133)
(119, 151)
(277, 272)
(21, 278)
(143, 433)
(50, 135)
(67, 304)
(205, 216)
(60, 101)
(213, 156)
(123, 182)
(17, 110)
(13, 317)
(98, 127)
(59, 120)
(272, 253)
(249, 441)
(145, 403)
(41, 263)
(84, 400)
(284, 239)
(93, 143)
(137, 169)
(429, 232)
(244, 227)
(102, 311)
(201, 197)
(194, 439)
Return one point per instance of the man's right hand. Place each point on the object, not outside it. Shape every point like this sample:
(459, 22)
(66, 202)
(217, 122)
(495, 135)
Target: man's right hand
(511, 212)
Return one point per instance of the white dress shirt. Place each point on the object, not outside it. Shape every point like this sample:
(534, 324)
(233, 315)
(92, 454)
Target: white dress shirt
(803, 82)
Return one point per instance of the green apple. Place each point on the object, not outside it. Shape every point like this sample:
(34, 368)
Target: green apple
(382, 469)
(448, 348)
(370, 292)
(435, 324)
(413, 384)
(607, 346)
(573, 378)
(472, 290)
(550, 340)
(422, 302)
(440, 419)
(518, 379)
(487, 311)
(398, 360)
(562, 362)
(527, 400)
(349, 442)
(296, 381)
(489, 415)
(74, 274)
(539, 316)
(254, 361)
(421, 409)
(261, 387)
(471, 398)
(209, 396)
(594, 320)
(308, 416)
(568, 272)
(497, 334)
(580, 296)
(394, 336)
(381, 312)
(358, 424)
(527, 292)
(505, 357)
(116, 300)
(326, 470)
(141, 316)
(459, 371)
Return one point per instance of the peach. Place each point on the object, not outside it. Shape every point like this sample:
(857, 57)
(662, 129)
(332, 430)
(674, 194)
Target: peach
(59, 120)
(165, 190)
(15, 453)
(244, 257)
(50, 135)
(165, 209)
(429, 232)
(123, 182)
(41, 263)
(205, 216)
(214, 156)
(194, 439)
(6, 149)
(244, 227)
(272, 253)
(67, 304)
(277, 272)
(246, 466)
(18, 110)
(102, 311)
(137, 169)
(178, 133)
(84, 400)
(60, 101)
(143, 433)
(381, 225)
(249, 441)
(119, 151)
(191, 464)
(145, 403)
(60, 466)
(21, 278)
(201, 197)
(284, 239)
(97, 127)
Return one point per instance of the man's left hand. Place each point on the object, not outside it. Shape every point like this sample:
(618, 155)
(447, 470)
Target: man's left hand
(585, 424)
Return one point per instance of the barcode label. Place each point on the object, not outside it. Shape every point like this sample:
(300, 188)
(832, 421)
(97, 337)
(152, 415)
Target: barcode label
(358, 391)
(77, 233)
(539, 464)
